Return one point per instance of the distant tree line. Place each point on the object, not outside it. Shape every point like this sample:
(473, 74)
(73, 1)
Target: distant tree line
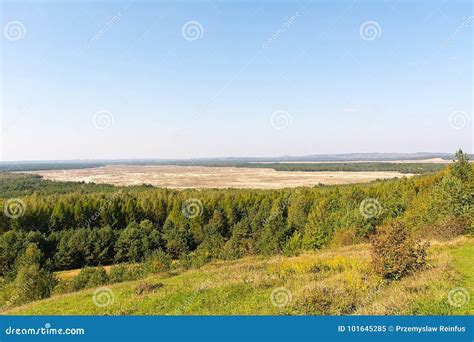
(413, 168)
(19, 184)
(35, 166)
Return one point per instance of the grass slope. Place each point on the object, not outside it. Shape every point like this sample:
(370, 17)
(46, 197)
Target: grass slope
(331, 282)
(464, 262)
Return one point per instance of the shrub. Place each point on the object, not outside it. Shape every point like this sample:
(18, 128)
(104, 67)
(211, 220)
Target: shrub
(452, 228)
(194, 260)
(63, 286)
(294, 245)
(118, 273)
(89, 277)
(125, 272)
(157, 262)
(345, 237)
(31, 283)
(395, 253)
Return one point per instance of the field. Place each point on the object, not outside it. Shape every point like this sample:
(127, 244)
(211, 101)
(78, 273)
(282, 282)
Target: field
(182, 177)
(332, 281)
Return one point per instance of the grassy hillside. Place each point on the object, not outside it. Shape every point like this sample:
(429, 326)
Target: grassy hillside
(331, 281)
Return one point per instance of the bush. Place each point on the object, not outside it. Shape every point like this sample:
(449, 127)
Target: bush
(395, 253)
(125, 272)
(294, 245)
(31, 283)
(89, 277)
(194, 260)
(63, 286)
(452, 228)
(345, 237)
(157, 262)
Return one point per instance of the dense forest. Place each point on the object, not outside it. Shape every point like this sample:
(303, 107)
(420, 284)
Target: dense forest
(413, 168)
(60, 226)
(33, 166)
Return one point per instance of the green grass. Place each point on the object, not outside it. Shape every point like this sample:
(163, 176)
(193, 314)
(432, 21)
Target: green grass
(332, 282)
(464, 263)
(461, 276)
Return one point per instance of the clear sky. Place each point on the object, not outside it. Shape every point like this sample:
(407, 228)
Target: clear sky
(180, 79)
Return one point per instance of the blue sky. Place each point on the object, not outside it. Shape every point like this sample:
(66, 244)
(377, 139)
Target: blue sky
(113, 79)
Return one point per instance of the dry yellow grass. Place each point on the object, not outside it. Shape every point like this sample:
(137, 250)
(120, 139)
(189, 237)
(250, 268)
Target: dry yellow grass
(336, 281)
(70, 274)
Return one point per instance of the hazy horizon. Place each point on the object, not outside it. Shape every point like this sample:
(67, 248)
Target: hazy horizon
(167, 80)
(365, 154)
